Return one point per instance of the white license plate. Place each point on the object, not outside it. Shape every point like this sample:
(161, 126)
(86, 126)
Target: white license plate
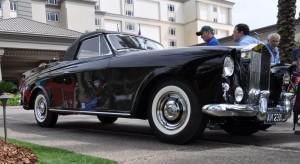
(274, 117)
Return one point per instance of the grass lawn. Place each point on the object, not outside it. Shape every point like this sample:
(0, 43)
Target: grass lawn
(48, 155)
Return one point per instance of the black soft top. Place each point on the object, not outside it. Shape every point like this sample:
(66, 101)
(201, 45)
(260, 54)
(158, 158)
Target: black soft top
(71, 51)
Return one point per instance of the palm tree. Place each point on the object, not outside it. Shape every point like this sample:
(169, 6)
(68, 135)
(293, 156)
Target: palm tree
(286, 28)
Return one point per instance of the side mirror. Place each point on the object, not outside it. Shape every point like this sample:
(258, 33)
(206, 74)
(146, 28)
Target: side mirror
(53, 60)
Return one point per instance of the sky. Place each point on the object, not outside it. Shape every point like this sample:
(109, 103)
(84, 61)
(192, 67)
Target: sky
(257, 13)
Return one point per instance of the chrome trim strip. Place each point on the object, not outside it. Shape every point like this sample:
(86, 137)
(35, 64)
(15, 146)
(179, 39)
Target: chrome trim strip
(89, 112)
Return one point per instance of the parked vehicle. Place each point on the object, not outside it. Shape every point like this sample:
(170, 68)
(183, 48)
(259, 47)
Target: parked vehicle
(112, 75)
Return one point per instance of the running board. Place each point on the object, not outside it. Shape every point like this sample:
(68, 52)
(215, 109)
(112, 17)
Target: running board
(89, 112)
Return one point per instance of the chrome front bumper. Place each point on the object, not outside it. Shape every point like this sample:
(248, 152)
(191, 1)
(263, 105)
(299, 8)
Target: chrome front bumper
(259, 110)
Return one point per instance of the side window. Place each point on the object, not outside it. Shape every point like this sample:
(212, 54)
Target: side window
(104, 49)
(89, 48)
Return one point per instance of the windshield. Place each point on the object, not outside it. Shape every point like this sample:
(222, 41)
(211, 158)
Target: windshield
(125, 42)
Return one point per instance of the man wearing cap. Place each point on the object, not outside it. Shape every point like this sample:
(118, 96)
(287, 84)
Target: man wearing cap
(207, 34)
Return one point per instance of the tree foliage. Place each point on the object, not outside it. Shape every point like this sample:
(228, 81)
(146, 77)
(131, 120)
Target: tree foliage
(286, 28)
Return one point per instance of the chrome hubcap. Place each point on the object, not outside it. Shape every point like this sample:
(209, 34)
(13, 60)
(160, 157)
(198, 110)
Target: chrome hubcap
(41, 109)
(171, 110)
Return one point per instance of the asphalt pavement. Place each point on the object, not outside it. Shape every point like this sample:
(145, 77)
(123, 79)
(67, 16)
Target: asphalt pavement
(132, 141)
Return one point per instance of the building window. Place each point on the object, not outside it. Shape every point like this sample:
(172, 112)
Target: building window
(171, 8)
(52, 16)
(13, 6)
(53, 2)
(172, 31)
(172, 43)
(128, 1)
(171, 19)
(215, 9)
(129, 13)
(97, 21)
(129, 26)
(97, 6)
(216, 20)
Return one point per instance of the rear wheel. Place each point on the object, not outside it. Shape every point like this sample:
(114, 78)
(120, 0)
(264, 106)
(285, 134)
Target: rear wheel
(107, 120)
(174, 112)
(43, 116)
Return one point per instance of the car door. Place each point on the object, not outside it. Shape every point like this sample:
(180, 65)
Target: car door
(85, 86)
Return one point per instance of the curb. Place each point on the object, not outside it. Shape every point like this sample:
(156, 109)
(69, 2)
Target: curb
(297, 131)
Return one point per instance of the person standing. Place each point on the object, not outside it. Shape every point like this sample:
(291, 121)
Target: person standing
(241, 35)
(272, 46)
(207, 34)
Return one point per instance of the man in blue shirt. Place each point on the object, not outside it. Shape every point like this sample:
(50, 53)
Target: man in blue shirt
(207, 34)
(272, 46)
(241, 35)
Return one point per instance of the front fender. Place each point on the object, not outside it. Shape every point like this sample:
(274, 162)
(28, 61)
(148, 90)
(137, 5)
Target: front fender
(33, 95)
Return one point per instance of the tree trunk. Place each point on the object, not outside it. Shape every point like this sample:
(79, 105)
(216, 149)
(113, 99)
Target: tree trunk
(286, 28)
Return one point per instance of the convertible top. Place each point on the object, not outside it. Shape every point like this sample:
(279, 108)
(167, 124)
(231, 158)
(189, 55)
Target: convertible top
(71, 51)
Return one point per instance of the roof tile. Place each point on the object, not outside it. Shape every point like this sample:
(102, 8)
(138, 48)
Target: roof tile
(27, 26)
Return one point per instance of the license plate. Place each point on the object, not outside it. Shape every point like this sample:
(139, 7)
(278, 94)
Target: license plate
(274, 117)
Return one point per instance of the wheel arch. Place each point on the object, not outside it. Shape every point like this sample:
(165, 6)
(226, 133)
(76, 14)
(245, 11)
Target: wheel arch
(34, 93)
(141, 103)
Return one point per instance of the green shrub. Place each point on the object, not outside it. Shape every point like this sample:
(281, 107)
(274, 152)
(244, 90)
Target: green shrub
(7, 87)
(14, 101)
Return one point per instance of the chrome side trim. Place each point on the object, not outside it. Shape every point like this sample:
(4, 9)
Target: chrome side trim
(89, 112)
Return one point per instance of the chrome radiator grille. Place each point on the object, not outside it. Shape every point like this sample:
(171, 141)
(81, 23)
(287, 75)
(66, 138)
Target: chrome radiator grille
(259, 71)
(259, 75)
(255, 70)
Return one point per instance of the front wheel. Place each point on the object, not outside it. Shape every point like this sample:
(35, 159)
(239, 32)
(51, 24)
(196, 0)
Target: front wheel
(174, 112)
(43, 116)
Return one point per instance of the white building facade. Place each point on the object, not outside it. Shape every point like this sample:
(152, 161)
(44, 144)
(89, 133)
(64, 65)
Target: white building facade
(170, 22)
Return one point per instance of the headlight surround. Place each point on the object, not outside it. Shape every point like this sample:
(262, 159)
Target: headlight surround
(228, 67)
(238, 94)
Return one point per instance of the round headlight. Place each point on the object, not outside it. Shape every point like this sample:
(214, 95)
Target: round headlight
(228, 66)
(238, 94)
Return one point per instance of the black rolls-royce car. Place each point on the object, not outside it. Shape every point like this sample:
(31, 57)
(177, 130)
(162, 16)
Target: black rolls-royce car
(112, 75)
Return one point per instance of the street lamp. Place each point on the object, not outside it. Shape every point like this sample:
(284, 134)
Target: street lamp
(4, 97)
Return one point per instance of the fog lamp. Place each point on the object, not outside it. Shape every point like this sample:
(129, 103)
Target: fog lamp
(238, 94)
